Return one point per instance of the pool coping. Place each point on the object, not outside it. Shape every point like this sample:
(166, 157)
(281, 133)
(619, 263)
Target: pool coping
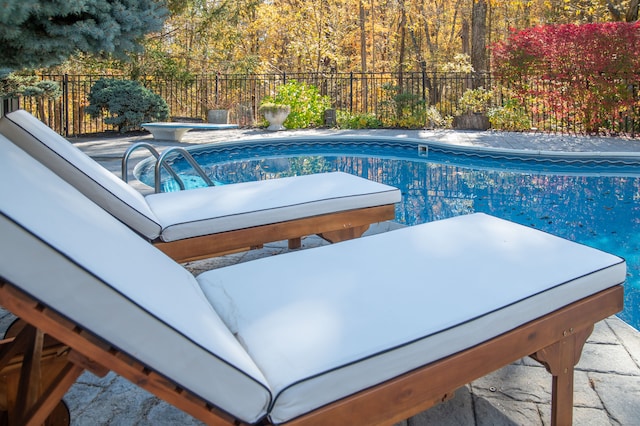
(630, 157)
(565, 155)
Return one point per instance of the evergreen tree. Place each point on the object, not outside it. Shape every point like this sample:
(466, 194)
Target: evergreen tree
(41, 33)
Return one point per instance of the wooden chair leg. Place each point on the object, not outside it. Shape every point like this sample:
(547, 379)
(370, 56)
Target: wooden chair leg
(295, 243)
(35, 374)
(41, 409)
(30, 374)
(560, 360)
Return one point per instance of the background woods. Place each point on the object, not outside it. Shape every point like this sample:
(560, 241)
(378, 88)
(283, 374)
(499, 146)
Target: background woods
(269, 36)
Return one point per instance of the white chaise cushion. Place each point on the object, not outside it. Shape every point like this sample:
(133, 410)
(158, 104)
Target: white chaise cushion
(81, 171)
(185, 214)
(325, 323)
(74, 257)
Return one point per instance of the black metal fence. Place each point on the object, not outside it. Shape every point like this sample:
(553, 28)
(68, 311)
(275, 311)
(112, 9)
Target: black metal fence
(541, 102)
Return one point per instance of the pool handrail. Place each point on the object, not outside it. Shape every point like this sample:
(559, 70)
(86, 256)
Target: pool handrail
(187, 156)
(153, 151)
(160, 162)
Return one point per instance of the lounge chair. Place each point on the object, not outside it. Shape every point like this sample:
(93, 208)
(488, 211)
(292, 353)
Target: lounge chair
(368, 331)
(205, 222)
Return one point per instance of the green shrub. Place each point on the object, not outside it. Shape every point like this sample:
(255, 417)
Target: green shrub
(474, 100)
(29, 86)
(307, 105)
(511, 116)
(127, 103)
(434, 119)
(408, 110)
(347, 120)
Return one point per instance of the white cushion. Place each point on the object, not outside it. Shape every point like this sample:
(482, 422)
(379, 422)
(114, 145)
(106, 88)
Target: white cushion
(185, 214)
(324, 323)
(81, 171)
(77, 259)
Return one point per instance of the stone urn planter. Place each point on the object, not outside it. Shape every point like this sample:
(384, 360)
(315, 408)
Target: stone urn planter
(275, 114)
(474, 104)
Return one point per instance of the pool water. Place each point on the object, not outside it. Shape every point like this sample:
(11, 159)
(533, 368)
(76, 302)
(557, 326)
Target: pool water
(596, 203)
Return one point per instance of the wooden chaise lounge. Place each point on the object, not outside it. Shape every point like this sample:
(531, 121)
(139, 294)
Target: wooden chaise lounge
(368, 331)
(206, 222)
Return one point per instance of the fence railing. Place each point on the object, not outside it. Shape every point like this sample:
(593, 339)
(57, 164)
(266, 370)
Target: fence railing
(544, 102)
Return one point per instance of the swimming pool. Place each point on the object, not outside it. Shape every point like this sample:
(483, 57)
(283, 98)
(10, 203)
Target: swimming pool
(595, 201)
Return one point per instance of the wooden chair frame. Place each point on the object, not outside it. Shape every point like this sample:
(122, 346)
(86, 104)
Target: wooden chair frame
(333, 227)
(555, 339)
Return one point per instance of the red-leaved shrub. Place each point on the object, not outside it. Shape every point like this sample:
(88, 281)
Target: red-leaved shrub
(582, 75)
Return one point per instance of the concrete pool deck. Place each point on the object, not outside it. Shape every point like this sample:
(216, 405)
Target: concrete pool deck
(110, 149)
(607, 381)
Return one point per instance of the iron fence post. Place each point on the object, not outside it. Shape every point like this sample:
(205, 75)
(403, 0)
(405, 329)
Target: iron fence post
(351, 92)
(217, 92)
(65, 107)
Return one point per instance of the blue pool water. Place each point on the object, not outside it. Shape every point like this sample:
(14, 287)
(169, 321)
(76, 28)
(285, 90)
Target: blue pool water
(596, 203)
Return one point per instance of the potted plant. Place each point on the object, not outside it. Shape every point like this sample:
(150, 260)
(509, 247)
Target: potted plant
(472, 110)
(218, 111)
(275, 114)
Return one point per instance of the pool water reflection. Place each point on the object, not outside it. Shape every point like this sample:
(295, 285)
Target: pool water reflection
(596, 205)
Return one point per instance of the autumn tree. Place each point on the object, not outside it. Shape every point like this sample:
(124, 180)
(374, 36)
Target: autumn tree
(579, 72)
(587, 11)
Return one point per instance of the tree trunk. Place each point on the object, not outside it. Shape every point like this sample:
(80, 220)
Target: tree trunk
(401, 50)
(632, 13)
(403, 24)
(478, 37)
(363, 55)
(427, 32)
(373, 38)
(464, 37)
(363, 37)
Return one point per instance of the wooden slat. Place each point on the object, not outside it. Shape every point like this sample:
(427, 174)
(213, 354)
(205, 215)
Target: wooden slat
(334, 225)
(87, 364)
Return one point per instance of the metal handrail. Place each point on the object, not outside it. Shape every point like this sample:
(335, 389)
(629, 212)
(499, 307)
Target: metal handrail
(160, 161)
(148, 147)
